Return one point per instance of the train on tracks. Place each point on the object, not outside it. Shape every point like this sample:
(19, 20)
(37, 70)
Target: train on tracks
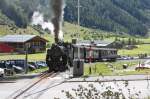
(61, 55)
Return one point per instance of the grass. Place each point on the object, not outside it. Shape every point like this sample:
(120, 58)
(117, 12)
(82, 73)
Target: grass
(137, 72)
(118, 65)
(142, 49)
(100, 69)
(114, 68)
(31, 57)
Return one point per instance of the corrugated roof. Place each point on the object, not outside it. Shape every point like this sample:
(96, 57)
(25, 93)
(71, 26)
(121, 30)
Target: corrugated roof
(102, 43)
(95, 42)
(17, 38)
(84, 42)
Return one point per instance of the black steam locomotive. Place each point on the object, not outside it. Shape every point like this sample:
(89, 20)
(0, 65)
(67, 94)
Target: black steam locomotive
(58, 57)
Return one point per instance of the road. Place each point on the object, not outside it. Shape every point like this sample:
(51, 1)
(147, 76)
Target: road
(53, 86)
(135, 59)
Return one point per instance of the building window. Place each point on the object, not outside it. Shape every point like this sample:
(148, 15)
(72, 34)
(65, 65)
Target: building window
(19, 45)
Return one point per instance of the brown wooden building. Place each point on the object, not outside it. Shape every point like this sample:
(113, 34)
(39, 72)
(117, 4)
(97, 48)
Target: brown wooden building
(22, 43)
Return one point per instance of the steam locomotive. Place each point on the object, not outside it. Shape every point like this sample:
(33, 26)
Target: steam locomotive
(60, 56)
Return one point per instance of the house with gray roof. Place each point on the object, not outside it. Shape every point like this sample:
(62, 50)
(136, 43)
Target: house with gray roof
(23, 43)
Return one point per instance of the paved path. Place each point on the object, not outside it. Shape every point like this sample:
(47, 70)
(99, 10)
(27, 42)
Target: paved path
(111, 78)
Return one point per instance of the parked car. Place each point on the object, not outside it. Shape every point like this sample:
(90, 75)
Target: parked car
(18, 69)
(41, 63)
(2, 72)
(33, 64)
(2, 64)
(31, 67)
(126, 58)
(18, 63)
(13, 65)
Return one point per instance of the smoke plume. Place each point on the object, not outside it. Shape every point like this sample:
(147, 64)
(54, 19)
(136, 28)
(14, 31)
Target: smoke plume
(57, 8)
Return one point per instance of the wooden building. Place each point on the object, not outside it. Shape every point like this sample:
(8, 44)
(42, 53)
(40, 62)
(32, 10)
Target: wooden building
(23, 43)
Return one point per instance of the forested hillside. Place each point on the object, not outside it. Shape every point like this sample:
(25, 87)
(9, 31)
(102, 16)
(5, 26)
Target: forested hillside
(21, 11)
(129, 16)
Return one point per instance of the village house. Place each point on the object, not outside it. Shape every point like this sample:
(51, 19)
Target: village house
(22, 43)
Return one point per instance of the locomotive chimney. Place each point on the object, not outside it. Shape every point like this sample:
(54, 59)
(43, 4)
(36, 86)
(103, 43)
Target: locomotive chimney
(57, 6)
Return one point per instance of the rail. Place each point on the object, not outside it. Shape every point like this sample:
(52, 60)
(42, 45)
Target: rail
(41, 77)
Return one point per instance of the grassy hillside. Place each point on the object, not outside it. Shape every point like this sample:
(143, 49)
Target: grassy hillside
(75, 31)
(5, 29)
(70, 31)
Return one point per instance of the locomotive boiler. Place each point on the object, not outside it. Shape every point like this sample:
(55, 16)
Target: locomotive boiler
(58, 57)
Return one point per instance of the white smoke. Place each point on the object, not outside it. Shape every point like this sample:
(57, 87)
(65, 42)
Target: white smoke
(38, 19)
(61, 35)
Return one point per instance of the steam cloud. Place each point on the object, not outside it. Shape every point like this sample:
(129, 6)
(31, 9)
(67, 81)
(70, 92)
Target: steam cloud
(57, 8)
(38, 19)
(55, 23)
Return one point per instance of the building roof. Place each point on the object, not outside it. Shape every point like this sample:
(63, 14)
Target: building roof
(94, 48)
(84, 42)
(102, 43)
(95, 42)
(18, 38)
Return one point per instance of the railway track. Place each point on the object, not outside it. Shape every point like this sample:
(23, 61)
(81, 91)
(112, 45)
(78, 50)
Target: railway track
(21, 91)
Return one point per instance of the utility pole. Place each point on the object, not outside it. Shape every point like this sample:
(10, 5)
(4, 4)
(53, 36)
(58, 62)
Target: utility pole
(79, 26)
(26, 58)
(79, 12)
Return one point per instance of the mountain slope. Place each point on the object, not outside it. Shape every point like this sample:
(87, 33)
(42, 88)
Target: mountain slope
(112, 15)
(121, 16)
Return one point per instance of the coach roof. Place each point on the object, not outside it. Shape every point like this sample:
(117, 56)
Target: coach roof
(95, 42)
